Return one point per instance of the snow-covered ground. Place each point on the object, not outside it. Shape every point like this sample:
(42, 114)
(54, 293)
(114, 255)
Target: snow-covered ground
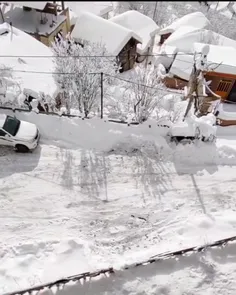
(75, 204)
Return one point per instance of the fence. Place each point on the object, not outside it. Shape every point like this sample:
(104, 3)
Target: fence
(111, 270)
(107, 102)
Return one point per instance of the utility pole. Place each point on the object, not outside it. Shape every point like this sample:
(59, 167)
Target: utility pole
(102, 95)
(1, 15)
(154, 13)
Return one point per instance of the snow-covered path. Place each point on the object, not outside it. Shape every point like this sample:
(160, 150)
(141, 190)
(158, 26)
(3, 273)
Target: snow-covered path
(66, 211)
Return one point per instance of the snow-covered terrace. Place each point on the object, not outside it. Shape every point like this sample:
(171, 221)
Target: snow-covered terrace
(19, 44)
(141, 24)
(30, 21)
(95, 29)
(220, 59)
(195, 19)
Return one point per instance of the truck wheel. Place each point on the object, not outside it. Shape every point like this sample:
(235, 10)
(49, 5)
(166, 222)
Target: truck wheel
(20, 148)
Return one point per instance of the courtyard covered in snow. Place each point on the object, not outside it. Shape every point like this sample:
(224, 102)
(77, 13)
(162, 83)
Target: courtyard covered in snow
(70, 201)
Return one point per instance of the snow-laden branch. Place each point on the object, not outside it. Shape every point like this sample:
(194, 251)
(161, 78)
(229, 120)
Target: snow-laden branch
(78, 74)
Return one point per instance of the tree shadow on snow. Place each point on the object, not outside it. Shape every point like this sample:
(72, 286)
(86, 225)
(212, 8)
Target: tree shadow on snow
(197, 157)
(151, 175)
(146, 277)
(92, 177)
(12, 162)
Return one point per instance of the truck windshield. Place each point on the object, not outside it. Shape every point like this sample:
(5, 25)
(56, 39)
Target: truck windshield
(11, 125)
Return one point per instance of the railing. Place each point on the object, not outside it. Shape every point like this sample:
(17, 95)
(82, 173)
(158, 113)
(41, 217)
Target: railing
(111, 270)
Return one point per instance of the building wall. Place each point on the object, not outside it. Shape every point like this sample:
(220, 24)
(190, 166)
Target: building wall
(128, 54)
(174, 83)
(221, 83)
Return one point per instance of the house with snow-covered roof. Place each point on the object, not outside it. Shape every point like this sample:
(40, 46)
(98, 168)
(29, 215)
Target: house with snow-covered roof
(30, 76)
(221, 70)
(195, 20)
(118, 40)
(143, 26)
(42, 20)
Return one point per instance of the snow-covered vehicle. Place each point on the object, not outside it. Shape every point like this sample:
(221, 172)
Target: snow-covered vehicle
(203, 128)
(22, 136)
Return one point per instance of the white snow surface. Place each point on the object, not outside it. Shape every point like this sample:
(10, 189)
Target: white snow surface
(226, 111)
(2, 120)
(139, 23)
(73, 205)
(30, 21)
(97, 8)
(182, 66)
(184, 38)
(17, 43)
(92, 28)
(195, 19)
(220, 59)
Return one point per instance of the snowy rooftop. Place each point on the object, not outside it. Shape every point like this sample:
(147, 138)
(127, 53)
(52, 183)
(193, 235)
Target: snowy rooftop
(220, 54)
(186, 36)
(195, 19)
(30, 21)
(18, 43)
(139, 23)
(182, 65)
(97, 8)
(95, 29)
(2, 120)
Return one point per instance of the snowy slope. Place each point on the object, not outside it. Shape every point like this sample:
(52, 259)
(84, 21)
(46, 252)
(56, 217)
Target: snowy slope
(74, 205)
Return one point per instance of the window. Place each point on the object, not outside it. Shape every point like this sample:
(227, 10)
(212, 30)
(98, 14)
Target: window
(11, 125)
(224, 85)
(2, 133)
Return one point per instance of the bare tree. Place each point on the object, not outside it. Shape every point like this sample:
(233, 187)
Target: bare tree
(78, 73)
(146, 92)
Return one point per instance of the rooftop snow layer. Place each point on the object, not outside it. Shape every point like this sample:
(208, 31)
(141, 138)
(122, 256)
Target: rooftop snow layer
(17, 43)
(221, 59)
(35, 5)
(97, 8)
(139, 23)
(30, 21)
(95, 29)
(195, 19)
(2, 119)
(182, 66)
(186, 36)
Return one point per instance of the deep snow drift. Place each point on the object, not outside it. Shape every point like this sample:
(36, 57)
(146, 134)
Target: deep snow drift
(74, 205)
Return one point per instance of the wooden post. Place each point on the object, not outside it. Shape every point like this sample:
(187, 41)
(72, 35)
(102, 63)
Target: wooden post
(102, 95)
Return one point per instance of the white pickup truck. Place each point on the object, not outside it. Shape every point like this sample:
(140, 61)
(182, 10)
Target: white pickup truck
(22, 136)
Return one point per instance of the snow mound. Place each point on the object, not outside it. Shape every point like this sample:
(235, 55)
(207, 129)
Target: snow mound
(140, 146)
(195, 19)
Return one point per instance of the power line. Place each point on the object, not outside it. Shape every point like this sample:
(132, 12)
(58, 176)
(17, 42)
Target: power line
(91, 56)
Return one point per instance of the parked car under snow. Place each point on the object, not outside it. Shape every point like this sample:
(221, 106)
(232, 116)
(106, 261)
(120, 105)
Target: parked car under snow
(203, 128)
(22, 136)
